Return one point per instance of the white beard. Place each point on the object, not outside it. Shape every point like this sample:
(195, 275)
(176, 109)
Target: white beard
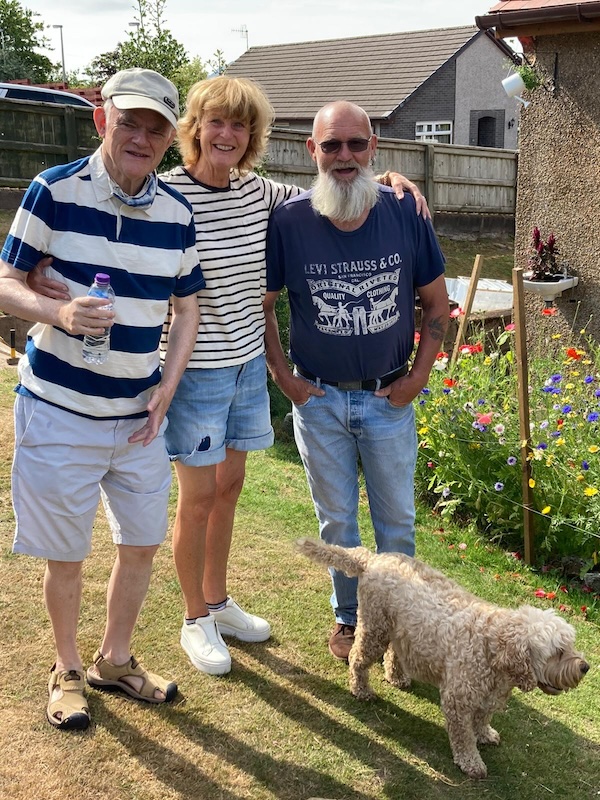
(344, 201)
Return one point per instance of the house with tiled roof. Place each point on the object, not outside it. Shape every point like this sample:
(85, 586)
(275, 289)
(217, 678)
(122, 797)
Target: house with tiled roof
(558, 180)
(442, 85)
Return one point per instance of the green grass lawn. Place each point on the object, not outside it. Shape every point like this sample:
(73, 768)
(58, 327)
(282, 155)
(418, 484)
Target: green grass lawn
(282, 725)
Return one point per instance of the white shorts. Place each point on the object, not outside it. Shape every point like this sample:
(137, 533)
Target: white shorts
(63, 465)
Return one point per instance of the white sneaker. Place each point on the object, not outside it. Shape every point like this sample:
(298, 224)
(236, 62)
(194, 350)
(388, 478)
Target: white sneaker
(205, 647)
(234, 621)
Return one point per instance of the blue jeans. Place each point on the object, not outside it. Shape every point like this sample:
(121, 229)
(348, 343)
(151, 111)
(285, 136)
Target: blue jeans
(332, 432)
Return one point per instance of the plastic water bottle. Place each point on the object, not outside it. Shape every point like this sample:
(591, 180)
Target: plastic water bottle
(96, 348)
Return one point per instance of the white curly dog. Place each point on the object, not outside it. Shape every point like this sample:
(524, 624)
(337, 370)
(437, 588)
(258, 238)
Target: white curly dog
(431, 629)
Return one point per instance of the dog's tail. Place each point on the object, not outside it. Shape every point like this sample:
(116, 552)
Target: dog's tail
(351, 561)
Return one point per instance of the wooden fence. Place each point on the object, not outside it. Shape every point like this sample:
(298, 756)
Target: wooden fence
(35, 136)
(455, 179)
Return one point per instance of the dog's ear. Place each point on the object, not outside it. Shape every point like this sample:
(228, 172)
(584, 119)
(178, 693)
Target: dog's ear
(513, 658)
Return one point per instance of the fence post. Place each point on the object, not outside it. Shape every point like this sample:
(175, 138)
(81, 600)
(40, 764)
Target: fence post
(71, 133)
(523, 402)
(429, 169)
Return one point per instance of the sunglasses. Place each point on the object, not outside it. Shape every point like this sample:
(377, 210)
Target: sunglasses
(354, 145)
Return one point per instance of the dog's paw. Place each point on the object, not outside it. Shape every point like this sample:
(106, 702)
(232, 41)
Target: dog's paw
(363, 692)
(472, 766)
(488, 736)
(400, 681)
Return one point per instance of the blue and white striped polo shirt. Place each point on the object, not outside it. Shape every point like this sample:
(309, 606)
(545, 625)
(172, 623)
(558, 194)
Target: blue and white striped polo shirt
(68, 212)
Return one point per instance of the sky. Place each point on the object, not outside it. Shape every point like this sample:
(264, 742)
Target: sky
(91, 27)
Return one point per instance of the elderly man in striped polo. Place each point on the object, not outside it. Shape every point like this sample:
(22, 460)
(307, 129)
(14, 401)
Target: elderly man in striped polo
(86, 431)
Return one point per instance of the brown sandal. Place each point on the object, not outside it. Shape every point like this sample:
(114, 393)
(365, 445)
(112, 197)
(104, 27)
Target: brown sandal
(69, 711)
(104, 675)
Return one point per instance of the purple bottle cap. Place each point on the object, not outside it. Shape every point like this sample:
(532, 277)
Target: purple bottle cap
(102, 277)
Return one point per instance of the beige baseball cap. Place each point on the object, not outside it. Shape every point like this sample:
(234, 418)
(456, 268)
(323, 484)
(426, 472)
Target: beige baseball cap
(143, 88)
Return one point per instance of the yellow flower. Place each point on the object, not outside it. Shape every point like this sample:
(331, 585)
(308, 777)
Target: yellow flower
(546, 510)
(590, 491)
(531, 483)
(571, 385)
(560, 441)
(487, 361)
(435, 418)
(550, 460)
(580, 477)
(556, 335)
(423, 431)
(593, 448)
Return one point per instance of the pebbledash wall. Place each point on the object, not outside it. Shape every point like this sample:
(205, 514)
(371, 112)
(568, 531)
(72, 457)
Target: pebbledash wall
(559, 173)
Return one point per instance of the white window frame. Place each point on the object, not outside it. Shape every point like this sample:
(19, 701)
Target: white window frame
(436, 131)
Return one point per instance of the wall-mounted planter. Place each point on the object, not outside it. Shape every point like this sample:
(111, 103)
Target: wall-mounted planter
(550, 290)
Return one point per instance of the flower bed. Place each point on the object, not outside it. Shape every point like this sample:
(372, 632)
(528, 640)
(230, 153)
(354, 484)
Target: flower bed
(469, 445)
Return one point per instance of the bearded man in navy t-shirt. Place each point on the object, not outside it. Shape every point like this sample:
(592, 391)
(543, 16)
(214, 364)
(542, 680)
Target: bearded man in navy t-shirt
(352, 257)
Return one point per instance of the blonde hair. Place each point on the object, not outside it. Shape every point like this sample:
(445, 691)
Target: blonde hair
(235, 98)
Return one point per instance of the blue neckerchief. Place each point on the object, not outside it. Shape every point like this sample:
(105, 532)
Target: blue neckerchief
(143, 199)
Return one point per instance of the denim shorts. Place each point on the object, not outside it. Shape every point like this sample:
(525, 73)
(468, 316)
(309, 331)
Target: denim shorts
(218, 408)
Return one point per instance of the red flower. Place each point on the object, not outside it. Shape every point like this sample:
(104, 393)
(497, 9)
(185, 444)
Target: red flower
(573, 353)
(564, 589)
(562, 607)
(510, 327)
(449, 382)
(441, 355)
(485, 419)
(550, 595)
(417, 336)
(540, 593)
(456, 312)
(549, 312)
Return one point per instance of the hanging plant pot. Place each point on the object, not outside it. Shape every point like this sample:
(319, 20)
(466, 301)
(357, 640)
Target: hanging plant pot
(550, 287)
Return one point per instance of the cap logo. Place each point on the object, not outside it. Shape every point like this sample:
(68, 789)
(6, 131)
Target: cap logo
(167, 101)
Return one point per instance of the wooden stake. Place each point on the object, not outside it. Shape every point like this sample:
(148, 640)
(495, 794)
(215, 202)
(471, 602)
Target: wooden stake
(464, 319)
(523, 401)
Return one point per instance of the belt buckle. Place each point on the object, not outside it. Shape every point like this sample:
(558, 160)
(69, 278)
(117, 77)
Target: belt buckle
(350, 386)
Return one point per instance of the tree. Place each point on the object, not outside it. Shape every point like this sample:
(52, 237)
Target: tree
(20, 36)
(151, 46)
(217, 63)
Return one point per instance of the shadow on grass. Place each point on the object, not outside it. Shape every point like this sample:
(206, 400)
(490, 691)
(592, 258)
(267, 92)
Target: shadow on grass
(529, 736)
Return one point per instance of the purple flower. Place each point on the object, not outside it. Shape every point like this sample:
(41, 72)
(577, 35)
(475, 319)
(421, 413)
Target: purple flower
(585, 465)
(498, 486)
(544, 424)
(425, 391)
(511, 461)
(542, 446)
(481, 402)
(566, 409)
(446, 391)
(445, 491)
(556, 378)
(588, 379)
(597, 393)
(421, 402)
(555, 434)
(593, 416)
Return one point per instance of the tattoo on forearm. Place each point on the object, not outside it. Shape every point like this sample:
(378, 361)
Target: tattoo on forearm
(437, 328)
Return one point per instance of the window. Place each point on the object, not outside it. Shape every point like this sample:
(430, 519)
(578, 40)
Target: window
(434, 132)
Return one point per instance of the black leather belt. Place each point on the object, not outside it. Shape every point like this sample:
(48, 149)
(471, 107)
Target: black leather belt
(356, 386)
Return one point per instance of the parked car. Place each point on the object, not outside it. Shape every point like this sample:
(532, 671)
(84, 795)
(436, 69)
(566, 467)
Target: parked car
(19, 91)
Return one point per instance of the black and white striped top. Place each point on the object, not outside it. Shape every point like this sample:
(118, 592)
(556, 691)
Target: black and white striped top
(231, 226)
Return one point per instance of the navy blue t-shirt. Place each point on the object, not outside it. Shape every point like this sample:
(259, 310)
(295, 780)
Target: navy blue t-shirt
(351, 294)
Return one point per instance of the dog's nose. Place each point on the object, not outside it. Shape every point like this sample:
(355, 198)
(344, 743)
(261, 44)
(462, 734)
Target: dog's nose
(584, 667)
